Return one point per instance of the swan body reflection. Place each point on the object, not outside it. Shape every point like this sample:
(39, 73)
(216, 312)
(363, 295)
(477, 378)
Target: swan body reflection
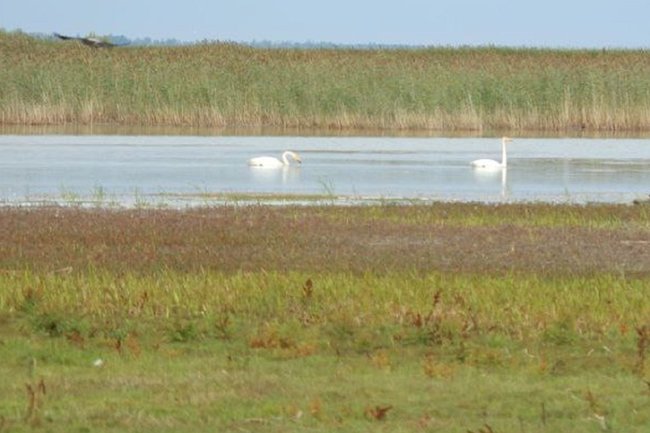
(489, 179)
(272, 162)
(490, 164)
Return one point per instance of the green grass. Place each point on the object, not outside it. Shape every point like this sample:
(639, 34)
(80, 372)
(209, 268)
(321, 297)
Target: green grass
(255, 351)
(512, 306)
(228, 85)
(281, 319)
(226, 388)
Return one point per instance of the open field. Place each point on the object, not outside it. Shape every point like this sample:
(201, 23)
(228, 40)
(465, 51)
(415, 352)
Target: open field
(226, 85)
(442, 317)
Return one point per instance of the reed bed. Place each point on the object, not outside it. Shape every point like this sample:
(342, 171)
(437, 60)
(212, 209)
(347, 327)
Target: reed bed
(226, 85)
(443, 317)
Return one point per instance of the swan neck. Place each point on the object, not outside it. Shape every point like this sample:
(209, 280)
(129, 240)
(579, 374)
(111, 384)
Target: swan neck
(504, 156)
(285, 160)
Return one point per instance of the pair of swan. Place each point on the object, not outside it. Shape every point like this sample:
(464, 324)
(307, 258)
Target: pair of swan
(272, 162)
(490, 164)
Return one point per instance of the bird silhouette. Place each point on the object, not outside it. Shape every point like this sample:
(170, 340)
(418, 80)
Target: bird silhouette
(91, 42)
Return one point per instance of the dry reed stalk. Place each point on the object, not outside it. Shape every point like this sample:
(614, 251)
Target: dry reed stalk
(643, 342)
(35, 400)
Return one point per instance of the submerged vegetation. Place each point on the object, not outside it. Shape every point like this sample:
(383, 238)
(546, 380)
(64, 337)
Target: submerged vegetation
(443, 317)
(231, 85)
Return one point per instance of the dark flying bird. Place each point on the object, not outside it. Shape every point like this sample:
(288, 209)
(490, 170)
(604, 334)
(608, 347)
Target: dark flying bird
(91, 42)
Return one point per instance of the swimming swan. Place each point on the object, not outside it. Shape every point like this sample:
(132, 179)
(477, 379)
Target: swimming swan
(271, 162)
(492, 164)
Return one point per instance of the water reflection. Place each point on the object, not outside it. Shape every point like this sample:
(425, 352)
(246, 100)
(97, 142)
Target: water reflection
(47, 167)
(279, 175)
(493, 180)
(267, 131)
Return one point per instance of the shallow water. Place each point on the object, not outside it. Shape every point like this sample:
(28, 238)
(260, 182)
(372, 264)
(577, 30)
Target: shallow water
(181, 169)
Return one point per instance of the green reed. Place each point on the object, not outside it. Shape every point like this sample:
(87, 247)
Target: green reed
(231, 85)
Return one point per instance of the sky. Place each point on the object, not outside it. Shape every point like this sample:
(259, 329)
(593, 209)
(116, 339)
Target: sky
(523, 23)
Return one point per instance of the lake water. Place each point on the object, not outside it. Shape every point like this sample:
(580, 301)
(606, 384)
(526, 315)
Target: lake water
(178, 170)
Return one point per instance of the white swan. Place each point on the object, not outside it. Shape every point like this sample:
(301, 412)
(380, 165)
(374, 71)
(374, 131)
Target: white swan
(272, 162)
(491, 164)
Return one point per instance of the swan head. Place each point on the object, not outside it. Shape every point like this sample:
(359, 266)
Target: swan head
(294, 156)
(506, 140)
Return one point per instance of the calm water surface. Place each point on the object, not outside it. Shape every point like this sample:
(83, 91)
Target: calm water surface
(189, 169)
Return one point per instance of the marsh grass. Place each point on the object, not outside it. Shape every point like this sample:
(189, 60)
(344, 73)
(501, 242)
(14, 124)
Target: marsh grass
(318, 318)
(230, 85)
(440, 237)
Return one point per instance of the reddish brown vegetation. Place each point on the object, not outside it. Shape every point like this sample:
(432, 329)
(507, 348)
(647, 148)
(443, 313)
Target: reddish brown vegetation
(320, 239)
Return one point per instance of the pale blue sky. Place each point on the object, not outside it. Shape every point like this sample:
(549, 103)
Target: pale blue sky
(540, 23)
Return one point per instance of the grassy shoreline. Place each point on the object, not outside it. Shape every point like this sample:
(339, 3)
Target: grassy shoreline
(459, 317)
(226, 85)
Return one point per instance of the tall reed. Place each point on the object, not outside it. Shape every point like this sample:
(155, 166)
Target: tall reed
(231, 85)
